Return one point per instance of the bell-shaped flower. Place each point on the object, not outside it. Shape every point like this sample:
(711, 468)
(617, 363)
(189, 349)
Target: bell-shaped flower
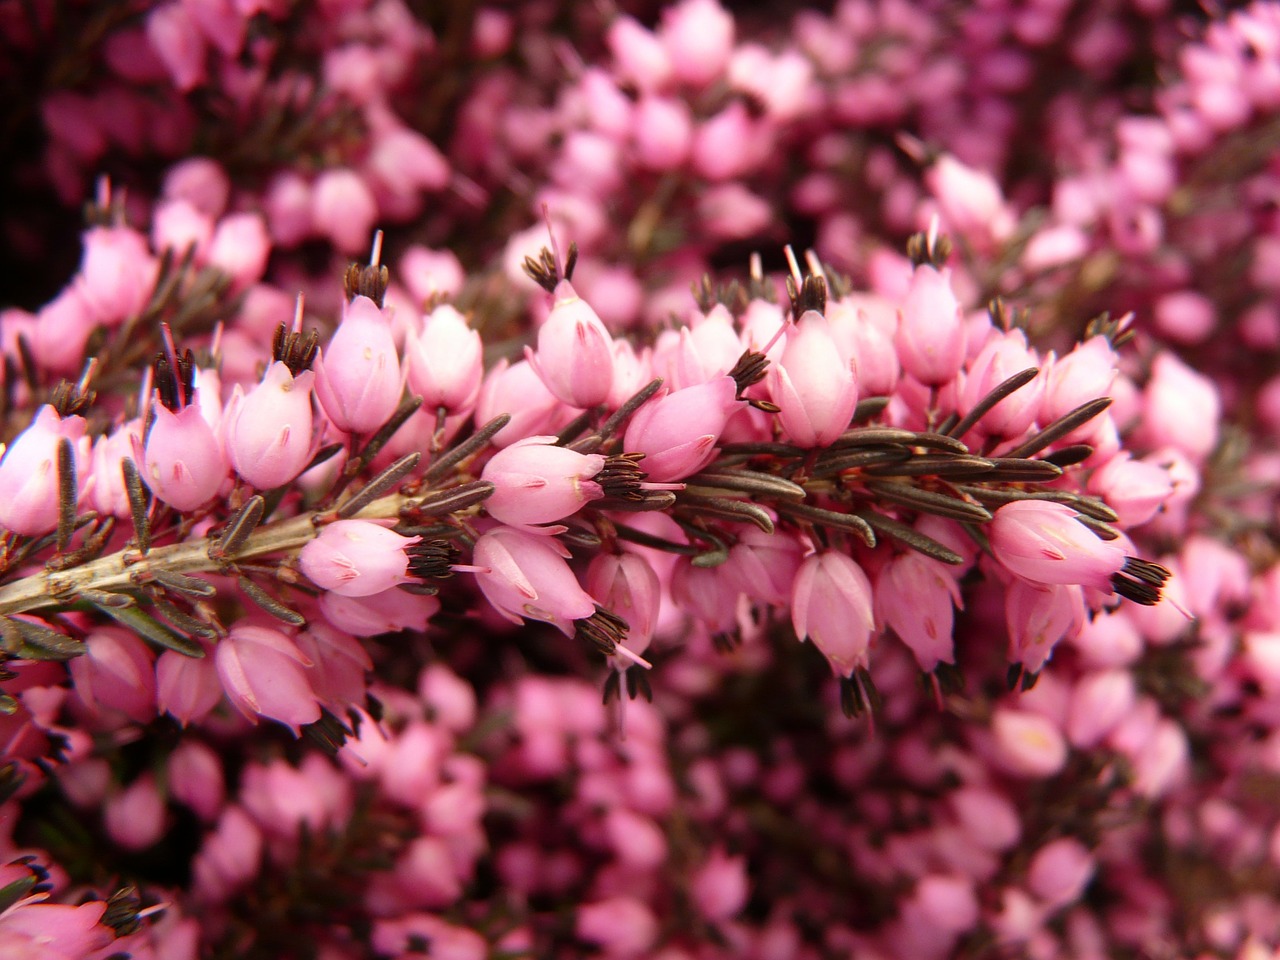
(517, 390)
(575, 352)
(29, 473)
(1003, 355)
(1044, 542)
(931, 333)
(357, 558)
(525, 576)
(269, 429)
(536, 481)
(228, 858)
(445, 361)
(263, 673)
(187, 688)
(358, 379)
(1038, 616)
(108, 492)
(182, 460)
(678, 432)
(831, 605)
(813, 384)
(116, 673)
(626, 585)
(1084, 374)
(117, 273)
(916, 596)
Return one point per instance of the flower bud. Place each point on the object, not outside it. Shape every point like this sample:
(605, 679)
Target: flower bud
(358, 380)
(356, 558)
(29, 473)
(698, 38)
(625, 584)
(229, 857)
(536, 481)
(812, 384)
(1043, 542)
(525, 576)
(1000, 358)
(182, 462)
(262, 672)
(445, 361)
(116, 673)
(931, 333)
(1038, 616)
(831, 605)
(343, 209)
(678, 432)
(915, 596)
(575, 352)
(135, 818)
(269, 430)
(187, 688)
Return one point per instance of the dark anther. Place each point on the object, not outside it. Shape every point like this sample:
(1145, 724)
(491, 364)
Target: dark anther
(121, 914)
(812, 295)
(604, 629)
(432, 559)
(1140, 581)
(176, 386)
(749, 370)
(366, 280)
(925, 248)
(296, 350)
(71, 398)
(621, 477)
(545, 272)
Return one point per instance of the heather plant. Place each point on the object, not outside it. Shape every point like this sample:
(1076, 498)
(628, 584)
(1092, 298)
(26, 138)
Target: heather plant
(558, 480)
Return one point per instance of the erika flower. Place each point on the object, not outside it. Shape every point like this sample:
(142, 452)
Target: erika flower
(29, 475)
(575, 352)
(1045, 542)
(263, 674)
(831, 605)
(269, 429)
(537, 481)
(525, 576)
(358, 380)
(357, 558)
(813, 384)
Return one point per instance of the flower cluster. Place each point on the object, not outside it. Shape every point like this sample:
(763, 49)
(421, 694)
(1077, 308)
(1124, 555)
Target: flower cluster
(796, 486)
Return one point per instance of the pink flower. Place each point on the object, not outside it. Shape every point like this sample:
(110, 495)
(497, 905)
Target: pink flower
(116, 673)
(915, 595)
(719, 888)
(575, 352)
(1038, 616)
(931, 333)
(678, 432)
(519, 391)
(187, 688)
(239, 247)
(538, 482)
(387, 612)
(195, 779)
(356, 558)
(182, 461)
(626, 585)
(262, 672)
(269, 430)
(135, 817)
(525, 576)
(831, 605)
(622, 926)
(29, 475)
(445, 361)
(1042, 541)
(343, 209)
(229, 857)
(358, 379)
(1027, 743)
(698, 37)
(1000, 358)
(813, 384)
(1060, 871)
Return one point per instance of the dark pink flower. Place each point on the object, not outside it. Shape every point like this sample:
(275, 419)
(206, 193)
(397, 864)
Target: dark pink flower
(831, 605)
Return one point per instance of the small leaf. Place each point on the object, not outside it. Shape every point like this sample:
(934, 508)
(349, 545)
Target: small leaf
(149, 628)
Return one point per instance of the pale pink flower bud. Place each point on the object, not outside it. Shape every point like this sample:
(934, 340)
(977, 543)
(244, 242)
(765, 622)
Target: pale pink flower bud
(764, 565)
(339, 665)
(945, 904)
(729, 211)
(403, 160)
(135, 817)
(1185, 316)
(638, 54)
(931, 333)
(536, 481)
(182, 462)
(863, 325)
(707, 593)
(525, 576)
(262, 672)
(999, 359)
(1038, 616)
(575, 352)
(200, 181)
(187, 688)
(723, 145)
(451, 700)
(387, 612)
(783, 83)
(719, 887)
(516, 389)
(117, 273)
(29, 473)
(1099, 701)
(970, 199)
(1059, 871)
(698, 37)
(812, 384)
(626, 585)
(1084, 374)
(61, 331)
(269, 430)
(636, 840)
(678, 432)
(195, 779)
(108, 493)
(116, 673)
(430, 273)
(662, 132)
(445, 361)
(344, 209)
(176, 38)
(178, 226)
(288, 205)
(831, 604)
(1043, 542)
(229, 857)
(357, 558)
(916, 597)
(1181, 408)
(1134, 489)
(1028, 744)
(1054, 246)
(621, 926)
(239, 247)
(358, 380)
(987, 817)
